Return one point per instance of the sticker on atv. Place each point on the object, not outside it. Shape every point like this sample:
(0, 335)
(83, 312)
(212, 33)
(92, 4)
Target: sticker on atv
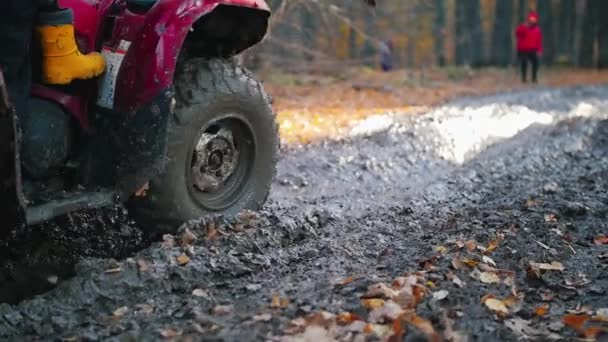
(107, 86)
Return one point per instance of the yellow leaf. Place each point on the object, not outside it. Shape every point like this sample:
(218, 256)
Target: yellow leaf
(183, 260)
(496, 305)
(372, 303)
(489, 278)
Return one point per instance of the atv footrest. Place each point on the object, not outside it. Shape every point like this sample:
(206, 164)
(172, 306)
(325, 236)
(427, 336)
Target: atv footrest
(72, 202)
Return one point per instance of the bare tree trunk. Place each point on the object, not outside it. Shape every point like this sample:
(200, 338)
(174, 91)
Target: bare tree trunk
(545, 11)
(522, 10)
(462, 39)
(588, 33)
(602, 34)
(439, 31)
(475, 32)
(502, 35)
(566, 27)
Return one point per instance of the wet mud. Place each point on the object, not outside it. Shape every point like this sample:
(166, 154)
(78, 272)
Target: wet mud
(528, 169)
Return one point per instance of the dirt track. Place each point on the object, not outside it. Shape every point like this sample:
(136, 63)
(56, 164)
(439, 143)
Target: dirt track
(527, 170)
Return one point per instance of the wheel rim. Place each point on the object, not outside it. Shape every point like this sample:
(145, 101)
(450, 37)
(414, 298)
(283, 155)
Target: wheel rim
(221, 162)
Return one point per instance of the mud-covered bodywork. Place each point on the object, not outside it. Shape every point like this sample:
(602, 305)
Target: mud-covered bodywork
(11, 203)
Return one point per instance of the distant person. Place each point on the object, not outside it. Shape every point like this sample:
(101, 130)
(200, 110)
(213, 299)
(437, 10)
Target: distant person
(386, 56)
(529, 46)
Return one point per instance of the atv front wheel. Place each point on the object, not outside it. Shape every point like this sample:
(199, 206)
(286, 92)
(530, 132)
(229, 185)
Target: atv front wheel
(222, 147)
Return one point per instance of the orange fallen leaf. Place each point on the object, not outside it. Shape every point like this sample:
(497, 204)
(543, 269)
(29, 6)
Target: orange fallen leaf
(372, 303)
(345, 281)
(541, 310)
(345, 318)
(369, 328)
(592, 333)
(423, 325)
(574, 321)
(492, 246)
(183, 259)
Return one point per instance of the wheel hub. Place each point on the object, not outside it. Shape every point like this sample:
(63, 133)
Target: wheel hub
(214, 161)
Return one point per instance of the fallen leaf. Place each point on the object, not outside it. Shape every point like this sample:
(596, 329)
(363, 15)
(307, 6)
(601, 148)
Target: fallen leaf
(488, 260)
(489, 278)
(601, 240)
(279, 302)
(381, 290)
(220, 310)
(183, 259)
(423, 325)
(345, 318)
(492, 246)
(541, 310)
(168, 333)
(440, 249)
(262, 318)
(459, 244)
(458, 282)
(551, 218)
(471, 263)
(372, 303)
(441, 294)
(601, 315)
(470, 245)
(496, 305)
(592, 332)
(575, 321)
(457, 264)
(345, 281)
(553, 266)
(390, 310)
(188, 237)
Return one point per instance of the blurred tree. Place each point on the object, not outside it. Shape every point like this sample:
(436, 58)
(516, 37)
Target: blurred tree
(502, 32)
(439, 32)
(602, 34)
(522, 10)
(475, 31)
(545, 11)
(566, 28)
(588, 33)
(469, 35)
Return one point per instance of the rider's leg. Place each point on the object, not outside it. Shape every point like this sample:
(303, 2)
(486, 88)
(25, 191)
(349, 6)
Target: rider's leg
(62, 61)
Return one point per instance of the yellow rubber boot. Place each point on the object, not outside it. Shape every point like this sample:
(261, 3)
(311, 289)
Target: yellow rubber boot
(62, 62)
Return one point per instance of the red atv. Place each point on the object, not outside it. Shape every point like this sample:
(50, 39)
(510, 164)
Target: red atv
(174, 127)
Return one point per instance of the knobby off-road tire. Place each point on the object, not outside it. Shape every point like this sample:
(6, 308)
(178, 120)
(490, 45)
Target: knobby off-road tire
(213, 97)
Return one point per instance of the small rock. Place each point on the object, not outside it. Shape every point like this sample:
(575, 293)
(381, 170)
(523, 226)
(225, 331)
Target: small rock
(551, 188)
(253, 287)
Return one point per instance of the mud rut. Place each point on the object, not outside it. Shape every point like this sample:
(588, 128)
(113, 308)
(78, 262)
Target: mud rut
(373, 206)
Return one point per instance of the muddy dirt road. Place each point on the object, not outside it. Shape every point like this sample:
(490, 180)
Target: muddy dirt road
(483, 218)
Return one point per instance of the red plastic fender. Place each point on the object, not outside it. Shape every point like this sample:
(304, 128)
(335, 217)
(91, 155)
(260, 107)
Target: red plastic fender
(149, 65)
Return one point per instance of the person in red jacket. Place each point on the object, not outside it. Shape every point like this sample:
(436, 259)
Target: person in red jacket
(529, 46)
